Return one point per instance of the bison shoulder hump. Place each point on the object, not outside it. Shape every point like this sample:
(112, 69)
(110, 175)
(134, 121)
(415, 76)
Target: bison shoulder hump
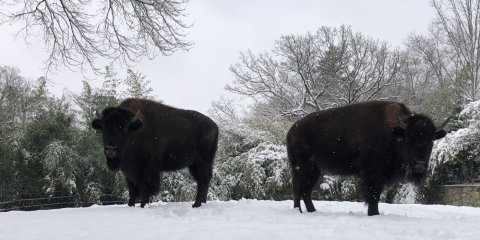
(400, 109)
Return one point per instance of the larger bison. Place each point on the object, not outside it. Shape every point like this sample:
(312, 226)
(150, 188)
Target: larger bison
(378, 141)
(143, 138)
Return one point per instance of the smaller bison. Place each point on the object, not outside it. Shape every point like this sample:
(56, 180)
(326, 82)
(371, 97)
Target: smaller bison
(143, 138)
(380, 142)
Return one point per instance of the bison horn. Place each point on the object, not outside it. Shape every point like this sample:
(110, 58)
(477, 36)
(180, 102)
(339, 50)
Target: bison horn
(439, 128)
(401, 124)
(136, 117)
(99, 115)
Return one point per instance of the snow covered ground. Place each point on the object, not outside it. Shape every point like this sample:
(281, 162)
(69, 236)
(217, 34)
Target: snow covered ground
(246, 220)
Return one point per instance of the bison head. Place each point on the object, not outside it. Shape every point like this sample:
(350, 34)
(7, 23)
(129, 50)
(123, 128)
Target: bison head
(116, 124)
(416, 136)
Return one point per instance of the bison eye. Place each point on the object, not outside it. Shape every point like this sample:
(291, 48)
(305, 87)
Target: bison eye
(97, 125)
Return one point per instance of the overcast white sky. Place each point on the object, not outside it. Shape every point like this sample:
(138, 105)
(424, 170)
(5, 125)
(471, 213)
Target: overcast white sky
(223, 28)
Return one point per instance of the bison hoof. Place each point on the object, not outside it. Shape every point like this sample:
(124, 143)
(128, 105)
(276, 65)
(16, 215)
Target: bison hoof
(195, 205)
(373, 213)
(299, 209)
(310, 210)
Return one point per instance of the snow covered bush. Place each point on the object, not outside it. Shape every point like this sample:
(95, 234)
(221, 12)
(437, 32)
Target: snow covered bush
(251, 159)
(177, 186)
(262, 173)
(334, 188)
(461, 146)
(455, 159)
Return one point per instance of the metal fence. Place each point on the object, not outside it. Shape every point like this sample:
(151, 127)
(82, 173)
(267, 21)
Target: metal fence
(33, 202)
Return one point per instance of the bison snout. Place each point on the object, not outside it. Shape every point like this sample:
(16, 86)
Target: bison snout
(420, 167)
(111, 151)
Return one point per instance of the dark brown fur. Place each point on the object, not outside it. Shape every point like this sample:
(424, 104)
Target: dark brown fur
(363, 140)
(163, 139)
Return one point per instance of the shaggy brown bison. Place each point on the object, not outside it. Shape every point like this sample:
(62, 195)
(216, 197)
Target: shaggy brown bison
(143, 138)
(378, 141)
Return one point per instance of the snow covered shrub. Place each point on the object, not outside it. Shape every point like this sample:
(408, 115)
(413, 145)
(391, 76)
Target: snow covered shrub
(455, 158)
(335, 188)
(403, 192)
(251, 160)
(178, 186)
(461, 146)
(261, 173)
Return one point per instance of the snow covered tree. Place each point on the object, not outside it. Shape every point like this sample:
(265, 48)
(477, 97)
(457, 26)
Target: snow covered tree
(456, 25)
(311, 72)
(137, 86)
(48, 147)
(20, 100)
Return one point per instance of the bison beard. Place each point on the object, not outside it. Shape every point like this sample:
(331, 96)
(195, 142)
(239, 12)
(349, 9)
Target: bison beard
(380, 142)
(143, 138)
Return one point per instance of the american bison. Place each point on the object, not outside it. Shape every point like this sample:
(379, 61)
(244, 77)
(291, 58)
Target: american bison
(143, 138)
(380, 142)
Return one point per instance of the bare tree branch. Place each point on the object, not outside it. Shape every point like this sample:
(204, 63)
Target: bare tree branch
(76, 34)
(457, 24)
(311, 72)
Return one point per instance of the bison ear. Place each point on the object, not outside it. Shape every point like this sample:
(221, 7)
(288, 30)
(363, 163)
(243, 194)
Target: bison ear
(97, 125)
(440, 134)
(134, 126)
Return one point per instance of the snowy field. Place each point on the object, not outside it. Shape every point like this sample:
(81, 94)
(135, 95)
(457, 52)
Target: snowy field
(246, 220)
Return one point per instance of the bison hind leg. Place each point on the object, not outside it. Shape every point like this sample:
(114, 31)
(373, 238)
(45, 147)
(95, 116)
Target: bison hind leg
(310, 182)
(304, 179)
(144, 189)
(296, 199)
(201, 171)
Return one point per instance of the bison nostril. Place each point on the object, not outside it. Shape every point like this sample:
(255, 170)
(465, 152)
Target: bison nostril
(420, 162)
(111, 151)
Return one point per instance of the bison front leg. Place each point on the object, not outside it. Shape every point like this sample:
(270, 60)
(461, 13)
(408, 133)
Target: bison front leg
(141, 190)
(132, 192)
(372, 196)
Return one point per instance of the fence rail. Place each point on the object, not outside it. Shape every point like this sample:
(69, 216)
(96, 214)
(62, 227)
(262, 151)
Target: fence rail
(54, 202)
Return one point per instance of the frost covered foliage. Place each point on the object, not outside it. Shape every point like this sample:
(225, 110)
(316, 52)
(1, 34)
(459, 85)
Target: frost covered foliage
(177, 186)
(48, 149)
(461, 147)
(334, 188)
(405, 194)
(455, 158)
(252, 159)
(262, 172)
